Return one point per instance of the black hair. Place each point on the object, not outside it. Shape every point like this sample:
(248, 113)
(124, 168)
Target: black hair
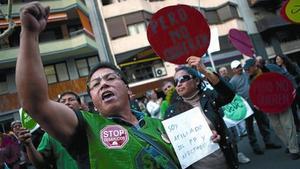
(195, 74)
(71, 93)
(105, 65)
(290, 66)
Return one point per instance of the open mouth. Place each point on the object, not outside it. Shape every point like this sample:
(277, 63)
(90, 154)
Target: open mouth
(107, 95)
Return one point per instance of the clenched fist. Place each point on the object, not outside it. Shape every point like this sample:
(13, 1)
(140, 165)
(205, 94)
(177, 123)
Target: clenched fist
(34, 17)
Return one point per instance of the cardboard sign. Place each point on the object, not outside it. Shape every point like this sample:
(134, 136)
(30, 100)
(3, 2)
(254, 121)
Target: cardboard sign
(27, 121)
(177, 32)
(272, 93)
(114, 136)
(190, 136)
(241, 41)
(236, 111)
(291, 11)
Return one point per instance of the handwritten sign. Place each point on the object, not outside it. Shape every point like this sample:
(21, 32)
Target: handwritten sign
(190, 136)
(241, 41)
(27, 121)
(177, 32)
(291, 10)
(236, 111)
(272, 93)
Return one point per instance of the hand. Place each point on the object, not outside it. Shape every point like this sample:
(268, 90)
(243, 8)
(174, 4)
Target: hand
(215, 137)
(24, 136)
(196, 62)
(34, 17)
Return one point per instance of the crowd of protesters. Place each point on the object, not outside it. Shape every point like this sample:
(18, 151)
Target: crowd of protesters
(74, 137)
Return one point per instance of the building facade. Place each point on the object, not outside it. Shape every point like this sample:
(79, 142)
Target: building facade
(68, 50)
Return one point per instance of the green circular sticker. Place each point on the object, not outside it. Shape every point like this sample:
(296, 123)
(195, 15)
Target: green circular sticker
(236, 110)
(27, 121)
(292, 10)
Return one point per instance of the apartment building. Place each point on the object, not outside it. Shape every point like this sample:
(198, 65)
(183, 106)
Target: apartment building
(68, 50)
(126, 23)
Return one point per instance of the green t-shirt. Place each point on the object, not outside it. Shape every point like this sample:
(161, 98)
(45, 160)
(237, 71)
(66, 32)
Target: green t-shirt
(52, 150)
(112, 143)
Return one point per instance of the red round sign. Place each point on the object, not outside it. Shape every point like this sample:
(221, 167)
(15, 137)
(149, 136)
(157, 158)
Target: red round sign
(178, 32)
(272, 93)
(114, 136)
(241, 41)
(282, 11)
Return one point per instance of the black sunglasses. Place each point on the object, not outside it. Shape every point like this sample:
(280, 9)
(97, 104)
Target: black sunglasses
(182, 79)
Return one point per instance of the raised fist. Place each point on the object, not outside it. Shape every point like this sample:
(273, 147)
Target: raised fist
(34, 17)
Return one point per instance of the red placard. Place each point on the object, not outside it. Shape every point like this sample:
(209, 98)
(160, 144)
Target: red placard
(178, 32)
(272, 93)
(282, 11)
(114, 136)
(241, 41)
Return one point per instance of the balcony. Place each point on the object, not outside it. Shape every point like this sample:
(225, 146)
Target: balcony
(286, 47)
(56, 6)
(121, 45)
(267, 4)
(10, 101)
(270, 22)
(77, 44)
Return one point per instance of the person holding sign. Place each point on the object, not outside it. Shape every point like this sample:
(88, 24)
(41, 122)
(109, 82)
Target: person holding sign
(189, 87)
(240, 84)
(50, 152)
(282, 122)
(117, 138)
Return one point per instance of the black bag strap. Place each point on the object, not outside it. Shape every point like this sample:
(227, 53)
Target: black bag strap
(155, 145)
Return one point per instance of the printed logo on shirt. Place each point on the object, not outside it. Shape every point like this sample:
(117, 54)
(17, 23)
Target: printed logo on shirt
(114, 136)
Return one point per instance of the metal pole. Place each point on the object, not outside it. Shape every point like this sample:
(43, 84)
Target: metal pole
(105, 54)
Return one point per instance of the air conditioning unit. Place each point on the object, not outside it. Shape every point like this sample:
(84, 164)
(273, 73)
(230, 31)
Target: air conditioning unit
(160, 71)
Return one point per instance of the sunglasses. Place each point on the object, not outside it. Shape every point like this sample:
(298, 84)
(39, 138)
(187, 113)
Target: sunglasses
(182, 79)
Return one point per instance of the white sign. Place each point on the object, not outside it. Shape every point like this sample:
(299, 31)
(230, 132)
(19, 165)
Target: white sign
(236, 111)
(190, 136)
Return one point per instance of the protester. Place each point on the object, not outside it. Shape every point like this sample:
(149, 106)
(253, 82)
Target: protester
(223, 72)
(281, 122)
(50, 152)
(133, 102)
(153, 105)
(170, 95)
(9, 151)
(287, 65)
(240, 84)
(118, 138)
(189, 86)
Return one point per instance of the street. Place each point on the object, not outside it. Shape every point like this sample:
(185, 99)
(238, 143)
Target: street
(271, 159)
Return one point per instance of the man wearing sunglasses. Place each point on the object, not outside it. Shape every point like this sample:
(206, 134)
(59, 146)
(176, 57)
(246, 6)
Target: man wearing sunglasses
(193, 93)
(117, 138)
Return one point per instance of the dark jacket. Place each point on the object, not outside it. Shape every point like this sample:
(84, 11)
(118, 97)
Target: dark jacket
(211, 102)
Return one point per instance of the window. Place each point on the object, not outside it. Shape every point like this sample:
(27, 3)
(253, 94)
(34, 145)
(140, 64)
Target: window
(56, 73)
(136, 28)
(82, 67)
(85, 65)
(62, 72)
(212, 17)
(50, 74)
(3, 83)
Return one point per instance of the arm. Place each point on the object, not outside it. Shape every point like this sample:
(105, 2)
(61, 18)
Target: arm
(30, 79)
(34, 156)
(195, 61)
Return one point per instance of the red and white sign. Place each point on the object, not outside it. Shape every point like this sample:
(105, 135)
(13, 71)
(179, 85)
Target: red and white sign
(272, 93)
(178, 32)
(114, 136)
(241, 41)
